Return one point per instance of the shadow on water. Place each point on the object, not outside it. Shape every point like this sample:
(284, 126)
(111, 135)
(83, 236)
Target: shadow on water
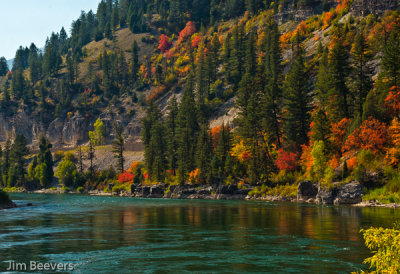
(105, 234)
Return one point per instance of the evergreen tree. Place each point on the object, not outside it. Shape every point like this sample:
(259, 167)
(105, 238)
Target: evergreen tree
(187, 130)
(361, 80)
(135, 62)
(3, 66)
(119, 146)
(171, 128)
(18, 153)
(323, 84)
(391, 58)
(272, 100)
(204, 154)
(297, 101)
(45, 161)
(34, 63)
(339, 70)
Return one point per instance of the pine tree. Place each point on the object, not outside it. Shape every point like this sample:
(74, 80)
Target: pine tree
(297, 101)
(119, 147)
(171, 127)
(204, 154)
(323, 84)
(272, 101)
(18, 153)
(339, 70)
(361, 80)
(391, 58)
(187, 130)
(45, 160)
(135, 62)
(3, 66)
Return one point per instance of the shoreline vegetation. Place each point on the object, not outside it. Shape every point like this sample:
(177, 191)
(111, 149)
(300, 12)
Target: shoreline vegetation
(215, 192)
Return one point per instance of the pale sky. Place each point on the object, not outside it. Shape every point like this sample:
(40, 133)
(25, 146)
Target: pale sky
(27, 21)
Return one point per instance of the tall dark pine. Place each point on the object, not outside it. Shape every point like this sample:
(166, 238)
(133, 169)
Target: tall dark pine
(204, 154)
(3, 66)
(339, 70)
(361, 80)
(171, 128)
(119, 146)
(187, 130)
(391, 58)
(272, 101)
(297, 101)
(135, 62)
(19, 151)
(45, 157)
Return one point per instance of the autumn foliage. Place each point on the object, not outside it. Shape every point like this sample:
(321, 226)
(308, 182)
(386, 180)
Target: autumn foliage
(125, 177)
(392, 101)
(371, 135)
(286, 160)
(188, 31)
(164, 43)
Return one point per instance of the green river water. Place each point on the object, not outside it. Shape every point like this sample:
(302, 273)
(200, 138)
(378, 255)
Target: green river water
(129, 235)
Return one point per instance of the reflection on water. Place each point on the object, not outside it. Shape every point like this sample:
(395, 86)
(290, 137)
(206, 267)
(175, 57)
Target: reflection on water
(105, 234)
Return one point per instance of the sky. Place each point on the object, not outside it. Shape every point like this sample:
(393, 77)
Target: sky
(27, 21)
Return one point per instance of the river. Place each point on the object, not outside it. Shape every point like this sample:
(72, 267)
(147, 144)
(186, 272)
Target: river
(125, 235)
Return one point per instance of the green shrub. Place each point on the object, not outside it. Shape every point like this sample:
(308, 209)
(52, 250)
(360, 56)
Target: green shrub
(80, 189)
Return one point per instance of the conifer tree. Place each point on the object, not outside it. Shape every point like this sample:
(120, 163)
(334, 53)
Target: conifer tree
(361, 80)
(391, 58)
(3, 66)
(135, 62)
(272, 101)
(339, 70)
(18, 153)
(297, 101)
(204, 154)
(171, 130)
(119, 147)
(323, 84)
(187, 131)
(45, 161)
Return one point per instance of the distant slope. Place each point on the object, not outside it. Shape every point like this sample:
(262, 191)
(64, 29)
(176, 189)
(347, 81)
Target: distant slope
(10, 63)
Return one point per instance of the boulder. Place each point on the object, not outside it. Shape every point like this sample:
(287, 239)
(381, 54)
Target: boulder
(306, 191)
(349, 194)
(156, 192)
(227, 189)
(324, 196)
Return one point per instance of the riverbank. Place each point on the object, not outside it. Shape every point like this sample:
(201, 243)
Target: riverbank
(349, 194)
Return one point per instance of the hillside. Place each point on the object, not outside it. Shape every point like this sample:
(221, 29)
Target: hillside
(238, 92)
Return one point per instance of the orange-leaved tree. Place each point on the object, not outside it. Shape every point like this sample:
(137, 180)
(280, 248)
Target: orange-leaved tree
(371, 135)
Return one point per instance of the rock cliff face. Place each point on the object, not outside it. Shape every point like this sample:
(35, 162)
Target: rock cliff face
(68, 132)
(365, 7)
(291, 11)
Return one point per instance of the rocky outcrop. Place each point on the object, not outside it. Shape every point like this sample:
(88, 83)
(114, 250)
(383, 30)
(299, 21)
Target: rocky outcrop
(345, 194)
(324, 196)
(307, 191)
(188, 191)
(349, 194)
(293, 11)
(378, 7)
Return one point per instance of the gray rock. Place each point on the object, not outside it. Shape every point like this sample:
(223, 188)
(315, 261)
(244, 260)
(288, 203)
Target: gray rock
(349, 194)
(324, 196)
(156, 192)
(307, 190)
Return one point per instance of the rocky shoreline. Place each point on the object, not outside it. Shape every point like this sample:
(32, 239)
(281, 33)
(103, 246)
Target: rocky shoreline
(347, 194)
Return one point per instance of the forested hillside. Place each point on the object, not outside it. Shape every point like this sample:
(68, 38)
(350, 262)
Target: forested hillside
(238, 92)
